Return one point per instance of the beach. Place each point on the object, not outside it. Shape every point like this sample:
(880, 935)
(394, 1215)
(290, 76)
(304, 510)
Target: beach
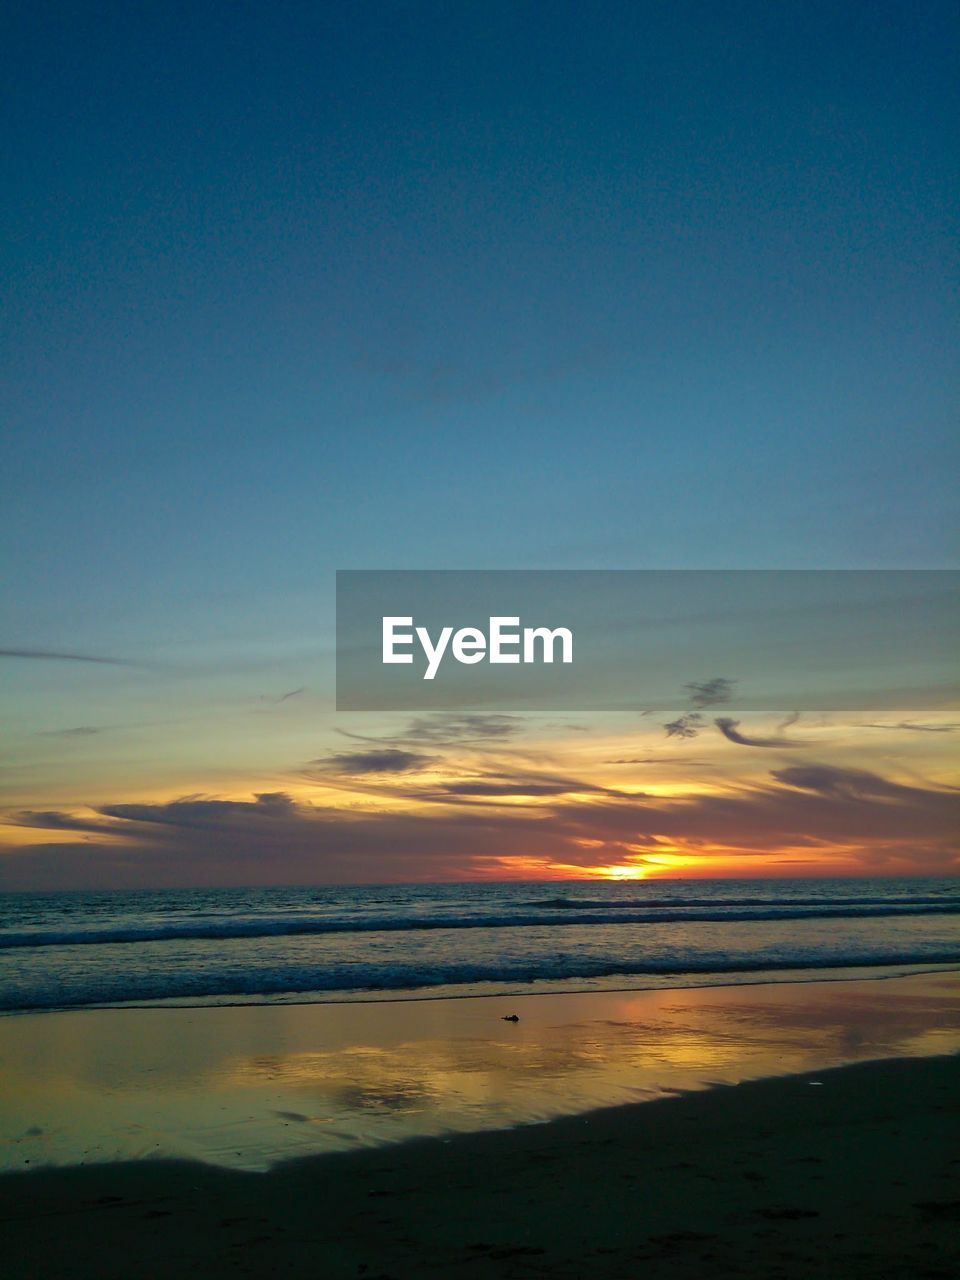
(790, 1129)
(249, 1086)
(850, 1173)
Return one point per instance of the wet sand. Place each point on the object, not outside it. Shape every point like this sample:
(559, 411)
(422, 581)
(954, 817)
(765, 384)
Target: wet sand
(246, 1088)
(853, 1172)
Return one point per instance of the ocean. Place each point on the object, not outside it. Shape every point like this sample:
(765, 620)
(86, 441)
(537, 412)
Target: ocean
(333, 944)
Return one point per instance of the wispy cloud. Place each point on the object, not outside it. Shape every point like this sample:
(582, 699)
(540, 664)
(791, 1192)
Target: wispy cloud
(730, 730)
(702, 693)
(80, 731)
(687, 726)
(293, 693)
(449, 730)
(708, 693)
(384, 760)
(949, 727)
(50, 655)
(856, 784)
(495, 785)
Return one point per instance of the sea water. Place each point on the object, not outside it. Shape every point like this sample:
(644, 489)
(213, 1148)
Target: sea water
(279, 945)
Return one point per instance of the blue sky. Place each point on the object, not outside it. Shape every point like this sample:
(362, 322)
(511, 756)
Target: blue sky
(295, 287)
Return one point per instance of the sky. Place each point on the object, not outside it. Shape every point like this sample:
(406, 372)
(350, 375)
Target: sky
(292, 288)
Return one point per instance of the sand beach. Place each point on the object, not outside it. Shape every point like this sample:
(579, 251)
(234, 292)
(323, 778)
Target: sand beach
(792, 1129)
(852, 1173)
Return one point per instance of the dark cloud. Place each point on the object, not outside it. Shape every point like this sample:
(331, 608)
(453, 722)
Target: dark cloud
(729, 729)
(384, 760)
(56, 820)
(136, 821)
(789, 722)
(269, 840)
(854, 783)
(687, 726)
(708, 693)
(201, 811)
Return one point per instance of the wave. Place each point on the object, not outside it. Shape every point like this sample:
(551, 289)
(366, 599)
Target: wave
(117, 988)
(662, 904)
(270, 927)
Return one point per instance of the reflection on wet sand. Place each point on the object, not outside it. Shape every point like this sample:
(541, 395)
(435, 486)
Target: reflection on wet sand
(248, 1086)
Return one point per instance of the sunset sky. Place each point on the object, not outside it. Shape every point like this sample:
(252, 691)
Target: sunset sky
(420, 286)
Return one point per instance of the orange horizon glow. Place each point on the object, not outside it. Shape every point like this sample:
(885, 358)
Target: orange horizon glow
(568, 820)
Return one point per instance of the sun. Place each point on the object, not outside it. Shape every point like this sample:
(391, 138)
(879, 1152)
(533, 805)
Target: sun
(622, 872)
